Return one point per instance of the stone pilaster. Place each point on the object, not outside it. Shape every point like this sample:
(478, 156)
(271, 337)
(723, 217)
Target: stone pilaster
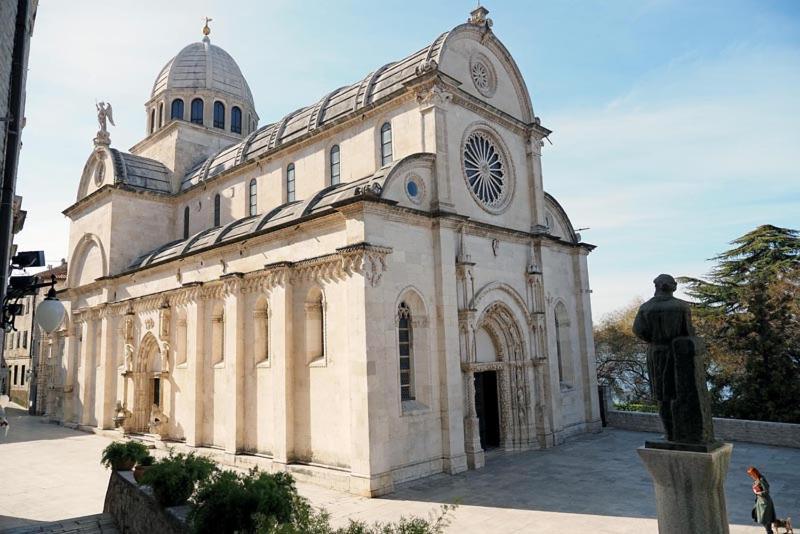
(195, 357)
(282, 357)
(87, 386)
(234, 363)
(106, 371)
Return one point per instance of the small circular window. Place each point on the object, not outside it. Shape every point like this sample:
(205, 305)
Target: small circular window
(415, 188)
(483, 76)
(485, 171)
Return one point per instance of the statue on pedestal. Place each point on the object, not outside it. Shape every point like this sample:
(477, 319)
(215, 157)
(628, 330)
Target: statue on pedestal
(677, 370)
(104, 116)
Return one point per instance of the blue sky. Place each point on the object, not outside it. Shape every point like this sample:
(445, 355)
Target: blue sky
(676, 123)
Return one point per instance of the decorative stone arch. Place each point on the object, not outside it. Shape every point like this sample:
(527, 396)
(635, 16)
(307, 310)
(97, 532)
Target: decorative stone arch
(315, 305)
(501, 290)
(262, 332)
(79, 255)
(101, 156)
(487, 38)
(552, 207)
(146, 380)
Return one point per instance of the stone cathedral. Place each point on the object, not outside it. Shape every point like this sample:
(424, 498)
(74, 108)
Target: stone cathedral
(371, 289)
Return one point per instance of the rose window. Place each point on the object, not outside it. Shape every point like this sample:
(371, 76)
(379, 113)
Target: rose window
(485, 171)
(480, 76)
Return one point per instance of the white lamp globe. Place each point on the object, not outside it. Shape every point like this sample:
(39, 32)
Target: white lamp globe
(50, 313)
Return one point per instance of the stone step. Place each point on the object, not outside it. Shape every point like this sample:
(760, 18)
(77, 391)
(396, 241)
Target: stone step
(90, 524)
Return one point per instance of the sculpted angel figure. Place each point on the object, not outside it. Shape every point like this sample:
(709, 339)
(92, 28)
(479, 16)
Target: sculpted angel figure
(104, 112)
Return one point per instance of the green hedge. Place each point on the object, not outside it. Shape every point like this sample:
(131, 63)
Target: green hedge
(636, 407)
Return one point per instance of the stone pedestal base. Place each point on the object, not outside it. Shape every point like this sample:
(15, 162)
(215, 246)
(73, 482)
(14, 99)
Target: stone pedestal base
(690, 496)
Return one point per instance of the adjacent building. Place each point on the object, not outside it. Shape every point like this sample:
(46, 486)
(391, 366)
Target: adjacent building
(373, 288)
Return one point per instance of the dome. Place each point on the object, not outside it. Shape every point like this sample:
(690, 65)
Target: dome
(203, 66)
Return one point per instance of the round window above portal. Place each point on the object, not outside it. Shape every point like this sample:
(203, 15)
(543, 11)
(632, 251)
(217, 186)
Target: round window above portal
(487, 171)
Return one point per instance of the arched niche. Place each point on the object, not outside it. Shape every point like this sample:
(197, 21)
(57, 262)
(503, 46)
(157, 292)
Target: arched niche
(88, 261)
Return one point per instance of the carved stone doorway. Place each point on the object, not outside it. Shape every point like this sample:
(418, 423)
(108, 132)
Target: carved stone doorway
(145, 385)
(487, 409)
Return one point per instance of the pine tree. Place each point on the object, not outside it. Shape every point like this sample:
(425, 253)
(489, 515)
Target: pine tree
(748, 312)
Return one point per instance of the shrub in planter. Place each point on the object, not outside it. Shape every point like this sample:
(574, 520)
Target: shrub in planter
(141, 466)
(231, 502)
(174, 478)
(121, 456)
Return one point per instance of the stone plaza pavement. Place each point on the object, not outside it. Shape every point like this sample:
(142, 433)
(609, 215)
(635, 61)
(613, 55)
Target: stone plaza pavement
(592, 484)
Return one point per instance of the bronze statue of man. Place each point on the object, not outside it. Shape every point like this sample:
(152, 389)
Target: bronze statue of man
(676, 365)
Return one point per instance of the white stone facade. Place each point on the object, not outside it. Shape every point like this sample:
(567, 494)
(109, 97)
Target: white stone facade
(323, 291)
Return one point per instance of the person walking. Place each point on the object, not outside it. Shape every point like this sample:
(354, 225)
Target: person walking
(763, 509)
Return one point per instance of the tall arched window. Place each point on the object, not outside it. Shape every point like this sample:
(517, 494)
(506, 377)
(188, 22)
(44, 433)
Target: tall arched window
(236, 120)
(216, 210)
(406, 348)
(252, 204)
(386, 144)
(563, 346)
(290, 183)
(152, 120)
(177, 109)
(197, 111)
(335, 167)
(219, 115)
(160, 114)
(186, 222)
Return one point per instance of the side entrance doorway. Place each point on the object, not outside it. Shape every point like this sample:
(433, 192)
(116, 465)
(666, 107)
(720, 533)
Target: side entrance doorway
(487, 409)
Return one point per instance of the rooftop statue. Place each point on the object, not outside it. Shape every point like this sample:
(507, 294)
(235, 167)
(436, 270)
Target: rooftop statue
(104, 112)
(677, 369)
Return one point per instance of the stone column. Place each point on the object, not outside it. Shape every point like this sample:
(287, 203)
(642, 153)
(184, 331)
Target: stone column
(690, 496)
(583, 310)
(88, 336)
(451, 391)
(234, 363)
(196, 360)
(282, 356)
(434, 139)
(106, 371)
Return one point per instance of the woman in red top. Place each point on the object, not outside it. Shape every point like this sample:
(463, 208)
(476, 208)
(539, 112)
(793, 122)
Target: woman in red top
(763, 509)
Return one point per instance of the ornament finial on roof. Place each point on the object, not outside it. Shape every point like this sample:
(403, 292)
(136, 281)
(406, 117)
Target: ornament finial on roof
(206, 30)
(478, 17)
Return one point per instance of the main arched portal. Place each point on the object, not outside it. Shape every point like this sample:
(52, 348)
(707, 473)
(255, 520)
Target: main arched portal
(146, 384)
(498, 392)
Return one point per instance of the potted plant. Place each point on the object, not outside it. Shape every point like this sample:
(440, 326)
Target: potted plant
(121, 456)
(142, 466)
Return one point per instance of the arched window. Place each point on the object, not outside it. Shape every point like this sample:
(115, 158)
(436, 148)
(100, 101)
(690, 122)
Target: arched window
(315, 325)
(219, 115)
(177, 109)
(290, 183)
(386, 144)
(563, 347)
(197, 111)
(182, 338)
(236, 120)
(252, 205)
(152, 120)
(186, 222)
(216, 210)
(406, 350)
(335, 168)
(261, 332)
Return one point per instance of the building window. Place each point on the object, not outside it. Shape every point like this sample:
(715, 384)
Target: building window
(25, 339)
(186, 222)
(404, 337)
(386, 144)
(160, 114)
(197, 111)
(157, 391)
(335, 165)
(22, 377)
(219, 115)
(290, 195)
(252, 205)
(16, 370)
(236, 120)
(152, 120)
(177, 109)
(216, 210)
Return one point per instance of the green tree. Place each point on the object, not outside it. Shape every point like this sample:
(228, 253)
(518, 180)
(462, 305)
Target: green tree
(747, 311)
(621, 356)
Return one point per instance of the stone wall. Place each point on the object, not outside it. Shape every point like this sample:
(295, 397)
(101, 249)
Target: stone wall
(763, 432)
(135, 511)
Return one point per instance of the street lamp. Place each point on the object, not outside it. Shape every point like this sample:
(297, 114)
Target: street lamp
(50, 312)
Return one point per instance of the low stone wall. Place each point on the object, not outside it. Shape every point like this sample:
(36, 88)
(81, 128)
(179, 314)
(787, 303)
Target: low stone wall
(762, 432)
(135, 511)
